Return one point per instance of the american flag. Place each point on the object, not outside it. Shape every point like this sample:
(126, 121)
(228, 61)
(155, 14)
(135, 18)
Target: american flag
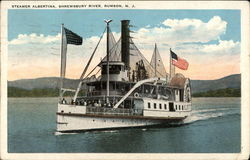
(72, 38)
(179, 62)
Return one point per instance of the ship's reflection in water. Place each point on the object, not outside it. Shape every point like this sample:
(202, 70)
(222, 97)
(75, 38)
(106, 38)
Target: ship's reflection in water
(213, 127)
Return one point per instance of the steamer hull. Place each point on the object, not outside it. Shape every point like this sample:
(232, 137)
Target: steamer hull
(78, 118)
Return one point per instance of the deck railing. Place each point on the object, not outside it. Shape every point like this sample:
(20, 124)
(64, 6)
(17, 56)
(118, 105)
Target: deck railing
(113, 111)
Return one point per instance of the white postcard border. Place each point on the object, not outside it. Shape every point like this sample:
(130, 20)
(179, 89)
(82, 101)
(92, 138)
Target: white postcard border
(241, 5)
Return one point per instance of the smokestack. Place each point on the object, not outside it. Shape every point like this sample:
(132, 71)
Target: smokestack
(125, 43)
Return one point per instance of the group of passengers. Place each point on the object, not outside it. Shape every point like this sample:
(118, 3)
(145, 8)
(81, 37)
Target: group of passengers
(94, 103)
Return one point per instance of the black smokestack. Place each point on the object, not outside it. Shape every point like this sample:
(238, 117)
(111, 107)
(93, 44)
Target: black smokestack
(125, 42)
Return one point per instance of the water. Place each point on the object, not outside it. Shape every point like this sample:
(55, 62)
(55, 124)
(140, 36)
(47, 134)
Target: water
(213, 127)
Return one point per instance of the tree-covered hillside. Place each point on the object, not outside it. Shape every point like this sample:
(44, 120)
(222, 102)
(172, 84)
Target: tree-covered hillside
(228, 92)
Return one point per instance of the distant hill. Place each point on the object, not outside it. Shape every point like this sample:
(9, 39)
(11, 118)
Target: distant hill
(41, 92)
(232, 81)
(226, 92)
(45, 82)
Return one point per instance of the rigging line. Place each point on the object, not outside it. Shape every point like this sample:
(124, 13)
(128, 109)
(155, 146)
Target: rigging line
(98, 71)
(110, 51)
(145, 58)
(115, 50)
(160, 59)
(90, 72)
(114, 45)
(86, 68)
(150, 66)
(92, 55)
(97, 66)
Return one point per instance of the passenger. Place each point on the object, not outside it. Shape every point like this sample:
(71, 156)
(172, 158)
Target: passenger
(84, 103)
(81, 102)
(64, 101)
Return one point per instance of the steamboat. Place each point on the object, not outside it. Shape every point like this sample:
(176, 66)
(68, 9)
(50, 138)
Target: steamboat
(129, 91)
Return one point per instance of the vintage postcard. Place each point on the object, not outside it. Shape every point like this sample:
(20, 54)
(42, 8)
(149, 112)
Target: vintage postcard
(124, 80)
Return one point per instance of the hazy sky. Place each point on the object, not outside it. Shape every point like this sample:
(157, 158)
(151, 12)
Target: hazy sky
(208, 39)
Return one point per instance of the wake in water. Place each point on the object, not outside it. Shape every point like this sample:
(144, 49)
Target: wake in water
(60, 133)
(204, 114)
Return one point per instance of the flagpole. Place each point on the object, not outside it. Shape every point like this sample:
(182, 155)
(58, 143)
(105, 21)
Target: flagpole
(170, 65)
(61, 74)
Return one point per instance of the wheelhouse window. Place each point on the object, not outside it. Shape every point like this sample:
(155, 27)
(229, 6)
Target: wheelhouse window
(149, 105)
(113, 69)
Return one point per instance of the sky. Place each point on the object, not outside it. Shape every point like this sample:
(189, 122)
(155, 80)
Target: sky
(208, 39)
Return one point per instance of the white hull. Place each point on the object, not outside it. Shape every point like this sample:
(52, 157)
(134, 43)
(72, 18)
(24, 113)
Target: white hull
(74, 118)
(73, 123)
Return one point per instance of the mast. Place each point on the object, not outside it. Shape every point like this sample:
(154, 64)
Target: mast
(155, 58)
(107, 96)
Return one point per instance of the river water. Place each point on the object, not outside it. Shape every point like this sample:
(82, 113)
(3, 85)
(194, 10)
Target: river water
(213, 127)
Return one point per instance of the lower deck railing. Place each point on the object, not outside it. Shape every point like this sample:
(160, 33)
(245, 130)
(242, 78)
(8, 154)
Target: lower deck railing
(113, 111)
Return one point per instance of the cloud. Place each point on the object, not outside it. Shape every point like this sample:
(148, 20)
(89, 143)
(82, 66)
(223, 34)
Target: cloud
(35, 39)
(223, 47)
(173, 31)
(33, 55)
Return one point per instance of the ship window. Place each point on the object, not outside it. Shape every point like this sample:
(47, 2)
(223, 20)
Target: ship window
(160, 106)
(165, 106)
(117, 86)
(182, 107)
(149, 105)
(179, 107)
(175, 107)
(154, 105)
